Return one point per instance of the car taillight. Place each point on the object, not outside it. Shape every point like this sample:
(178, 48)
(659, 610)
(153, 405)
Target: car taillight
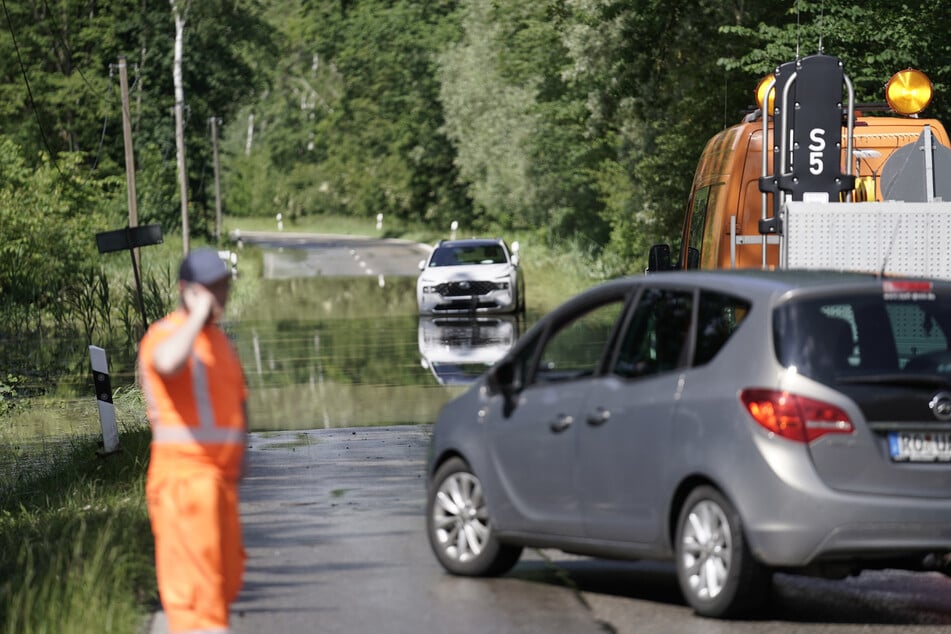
(793, 416)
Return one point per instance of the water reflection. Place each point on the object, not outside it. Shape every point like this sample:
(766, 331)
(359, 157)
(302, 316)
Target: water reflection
(457, 350)
(346, 351)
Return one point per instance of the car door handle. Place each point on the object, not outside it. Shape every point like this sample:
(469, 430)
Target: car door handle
(599, 417)
(561, 423)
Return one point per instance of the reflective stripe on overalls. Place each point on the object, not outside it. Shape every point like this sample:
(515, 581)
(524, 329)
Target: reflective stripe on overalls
(206, 432)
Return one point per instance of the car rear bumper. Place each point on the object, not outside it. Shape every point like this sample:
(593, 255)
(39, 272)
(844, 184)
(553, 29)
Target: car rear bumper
(856, 532)
(794, 519)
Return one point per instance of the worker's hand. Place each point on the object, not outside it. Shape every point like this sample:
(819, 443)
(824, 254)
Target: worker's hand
(200, 302)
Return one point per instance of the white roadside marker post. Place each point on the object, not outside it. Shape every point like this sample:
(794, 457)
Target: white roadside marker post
(107, 411)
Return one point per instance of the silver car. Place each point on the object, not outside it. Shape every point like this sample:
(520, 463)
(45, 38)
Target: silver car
(471, 276)
(736, 423)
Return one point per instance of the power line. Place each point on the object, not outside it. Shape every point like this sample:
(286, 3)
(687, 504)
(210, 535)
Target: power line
(29, 91)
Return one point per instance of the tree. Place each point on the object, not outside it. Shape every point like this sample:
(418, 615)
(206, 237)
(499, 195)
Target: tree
(490, 122)
(904, 35)
(354, 123)
(179, 116)
(61, 140)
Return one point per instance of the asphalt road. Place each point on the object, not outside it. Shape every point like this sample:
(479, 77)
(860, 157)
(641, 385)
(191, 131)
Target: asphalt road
(293, 255)
(334, 530)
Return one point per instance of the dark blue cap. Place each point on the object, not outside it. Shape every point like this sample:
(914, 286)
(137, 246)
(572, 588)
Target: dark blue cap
(204, 267)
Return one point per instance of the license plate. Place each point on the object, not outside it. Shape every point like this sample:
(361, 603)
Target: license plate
(920, 446)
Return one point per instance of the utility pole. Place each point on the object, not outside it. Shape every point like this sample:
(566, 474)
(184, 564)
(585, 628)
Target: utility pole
(129, 154)
(214, 154)
(179, 120)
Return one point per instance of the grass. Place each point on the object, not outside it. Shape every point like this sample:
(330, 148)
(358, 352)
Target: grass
(76, 549)
(75, 541)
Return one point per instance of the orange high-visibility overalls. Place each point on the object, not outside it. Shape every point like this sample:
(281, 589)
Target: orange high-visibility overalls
(198, 439)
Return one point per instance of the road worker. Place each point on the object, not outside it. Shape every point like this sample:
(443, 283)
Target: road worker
(195, 398)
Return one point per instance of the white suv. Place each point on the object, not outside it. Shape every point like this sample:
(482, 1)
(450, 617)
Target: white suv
(477, 275)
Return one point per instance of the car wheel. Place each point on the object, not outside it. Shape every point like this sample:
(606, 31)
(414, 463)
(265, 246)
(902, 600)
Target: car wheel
(458, 525)
(518, 306)
(717, 572)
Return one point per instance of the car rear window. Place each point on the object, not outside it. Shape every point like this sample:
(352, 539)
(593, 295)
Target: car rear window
(871, 333)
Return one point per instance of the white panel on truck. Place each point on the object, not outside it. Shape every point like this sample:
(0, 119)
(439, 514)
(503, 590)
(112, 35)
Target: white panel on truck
(897, 238)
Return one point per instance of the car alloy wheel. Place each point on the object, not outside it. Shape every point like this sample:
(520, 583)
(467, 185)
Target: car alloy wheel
(462, 525)
(458, 524)
(707, 549)
(717, 573)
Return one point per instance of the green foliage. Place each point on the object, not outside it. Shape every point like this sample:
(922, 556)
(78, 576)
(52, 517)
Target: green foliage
(490, 122)
(8, 394)
(75, 541)
(873, 39)
(353, 124)
(654, 95)
(48, 217)
(55, 288)
(59, 87)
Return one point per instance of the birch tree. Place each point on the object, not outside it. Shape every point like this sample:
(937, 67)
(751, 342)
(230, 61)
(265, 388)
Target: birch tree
(179, 16)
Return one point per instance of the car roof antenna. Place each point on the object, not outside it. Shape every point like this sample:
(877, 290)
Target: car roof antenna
(891, 246)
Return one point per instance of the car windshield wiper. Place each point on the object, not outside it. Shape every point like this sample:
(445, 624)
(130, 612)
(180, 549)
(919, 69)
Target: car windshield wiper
(895, 378)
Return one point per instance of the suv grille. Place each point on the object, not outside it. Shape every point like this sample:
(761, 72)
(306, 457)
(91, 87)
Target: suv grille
(465, 289)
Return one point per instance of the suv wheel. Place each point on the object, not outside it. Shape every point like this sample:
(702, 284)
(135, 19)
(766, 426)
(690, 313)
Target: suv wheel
(717, 572)
(458, 526)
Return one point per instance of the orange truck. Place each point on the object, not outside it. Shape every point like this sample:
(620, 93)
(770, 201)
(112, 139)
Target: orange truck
(840, 186)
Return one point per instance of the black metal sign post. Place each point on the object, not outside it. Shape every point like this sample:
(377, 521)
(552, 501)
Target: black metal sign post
(130, 238)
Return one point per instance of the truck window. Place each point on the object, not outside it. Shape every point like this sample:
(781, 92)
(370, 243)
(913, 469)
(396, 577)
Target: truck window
(697, 237)
(698, 219)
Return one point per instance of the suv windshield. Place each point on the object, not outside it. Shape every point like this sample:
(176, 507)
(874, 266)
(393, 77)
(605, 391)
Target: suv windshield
(862, 336)
(474, 254)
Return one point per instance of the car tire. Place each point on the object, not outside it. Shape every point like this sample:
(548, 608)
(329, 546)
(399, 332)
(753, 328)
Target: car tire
(458, 526)
(718, 575)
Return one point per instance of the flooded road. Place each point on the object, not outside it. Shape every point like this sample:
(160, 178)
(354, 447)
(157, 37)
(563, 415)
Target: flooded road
(335, 340)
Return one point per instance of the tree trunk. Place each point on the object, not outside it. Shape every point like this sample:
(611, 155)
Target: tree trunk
(179, 118)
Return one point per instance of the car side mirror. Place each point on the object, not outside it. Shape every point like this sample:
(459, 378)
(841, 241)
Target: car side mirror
(502, 379)
(499, 377)
(693, 258)
(515, 259)
(422, 264)
(658, 258)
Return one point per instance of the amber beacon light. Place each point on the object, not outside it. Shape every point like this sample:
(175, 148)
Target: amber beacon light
(908, 92)
(766, 83)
